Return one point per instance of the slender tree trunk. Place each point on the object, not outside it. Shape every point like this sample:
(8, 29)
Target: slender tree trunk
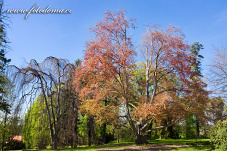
(205, 132)
(117, 135)
(90, 130)
(104, 128)
(75, 128)
(197, 127)
(104, 133)
(54, 126)
(89, 137)
(72, 141)
(147, 77)
(49, 117)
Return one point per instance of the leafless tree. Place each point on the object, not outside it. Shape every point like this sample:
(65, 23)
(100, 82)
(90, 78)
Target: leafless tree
(218, 76)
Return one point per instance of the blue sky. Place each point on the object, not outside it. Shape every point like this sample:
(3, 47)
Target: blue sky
(64, 36)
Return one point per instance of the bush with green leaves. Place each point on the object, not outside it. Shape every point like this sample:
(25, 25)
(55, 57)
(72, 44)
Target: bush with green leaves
(126, 135)
(14, 145)
(218, 135)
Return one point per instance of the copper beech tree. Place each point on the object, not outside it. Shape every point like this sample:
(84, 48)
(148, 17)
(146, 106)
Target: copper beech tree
(108, 74)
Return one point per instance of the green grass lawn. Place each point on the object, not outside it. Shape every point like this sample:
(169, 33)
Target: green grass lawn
(184, 144)
(178, 141)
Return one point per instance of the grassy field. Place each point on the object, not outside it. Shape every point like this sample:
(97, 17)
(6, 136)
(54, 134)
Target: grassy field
(157, 145)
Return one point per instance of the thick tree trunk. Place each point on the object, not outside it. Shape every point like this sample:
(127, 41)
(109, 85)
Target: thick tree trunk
(54, 143)
(141, 139)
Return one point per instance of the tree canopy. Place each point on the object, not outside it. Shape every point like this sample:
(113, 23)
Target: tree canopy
(108, 73)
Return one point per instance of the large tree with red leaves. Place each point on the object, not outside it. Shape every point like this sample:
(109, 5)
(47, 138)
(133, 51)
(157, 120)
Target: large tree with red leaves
(109, 74)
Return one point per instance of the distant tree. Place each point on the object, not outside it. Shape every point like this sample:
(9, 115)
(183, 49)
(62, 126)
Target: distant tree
(217, 109)
(199, 97)
(218, 73)
(10, 123)
(5, 83)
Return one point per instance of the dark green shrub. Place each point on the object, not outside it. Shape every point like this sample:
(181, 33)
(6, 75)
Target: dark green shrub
(109, 137)
(14, 145)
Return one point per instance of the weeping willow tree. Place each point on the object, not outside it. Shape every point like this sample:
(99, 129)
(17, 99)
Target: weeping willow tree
(52, 79)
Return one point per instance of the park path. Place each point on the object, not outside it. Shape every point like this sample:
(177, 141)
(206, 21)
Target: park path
(149, 147)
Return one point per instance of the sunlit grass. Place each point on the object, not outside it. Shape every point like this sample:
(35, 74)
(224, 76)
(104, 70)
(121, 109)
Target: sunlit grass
(192, 145)
(179, 141)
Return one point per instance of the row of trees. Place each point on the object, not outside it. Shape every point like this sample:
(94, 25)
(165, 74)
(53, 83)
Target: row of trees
(7, 122)
(111, 94)
(3, 62)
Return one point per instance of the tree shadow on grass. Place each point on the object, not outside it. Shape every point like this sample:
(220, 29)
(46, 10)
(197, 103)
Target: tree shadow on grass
(151, 147)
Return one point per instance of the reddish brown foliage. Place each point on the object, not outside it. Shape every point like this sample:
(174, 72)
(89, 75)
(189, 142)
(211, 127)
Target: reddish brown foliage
(107, 74)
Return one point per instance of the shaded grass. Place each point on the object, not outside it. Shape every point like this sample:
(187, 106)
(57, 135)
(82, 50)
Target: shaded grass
(196, 144)
(198, 148)
(89, 148)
